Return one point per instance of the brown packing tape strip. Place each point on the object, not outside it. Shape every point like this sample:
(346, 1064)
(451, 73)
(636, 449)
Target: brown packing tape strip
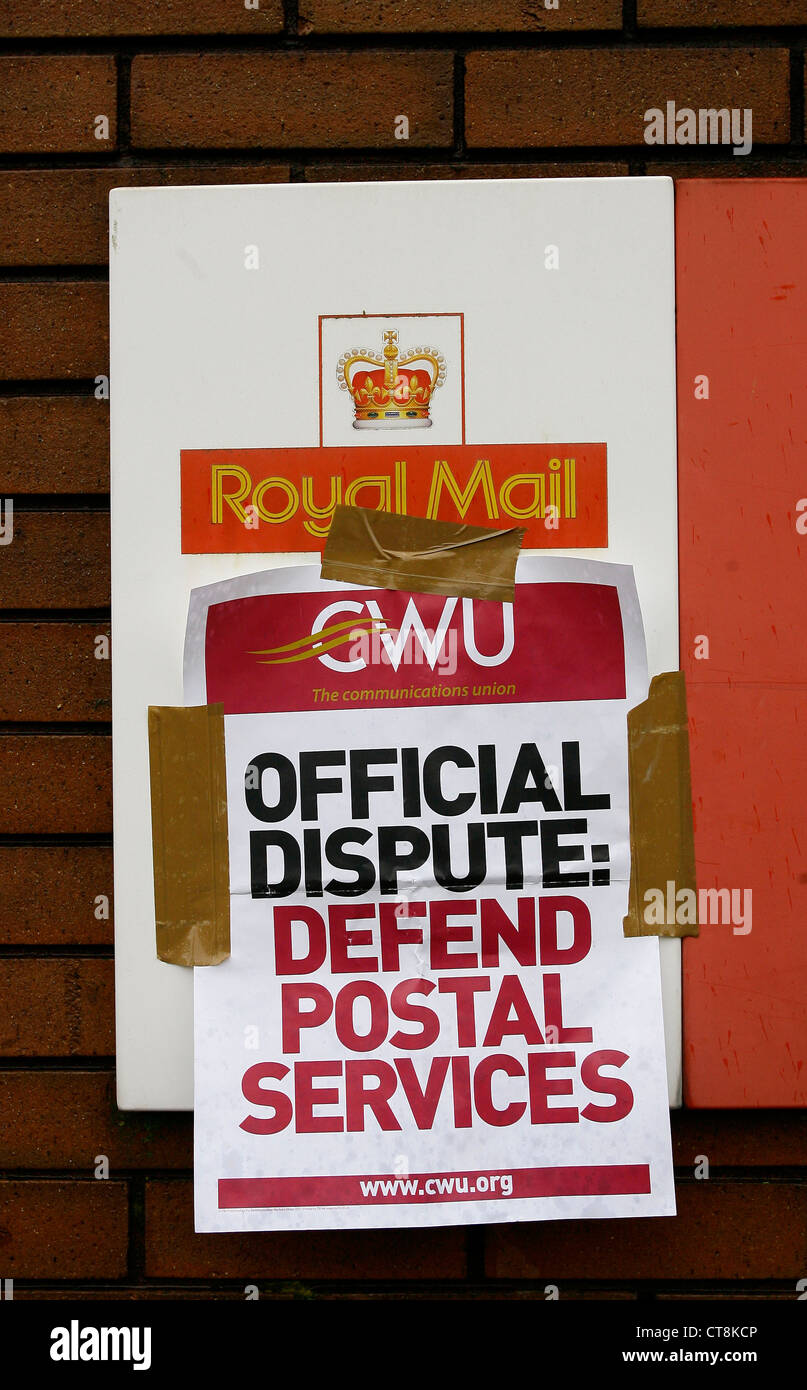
(189, 834)
(390, 551)
(662, 838)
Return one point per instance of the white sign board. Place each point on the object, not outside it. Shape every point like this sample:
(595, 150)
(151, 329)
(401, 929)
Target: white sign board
(552, 303)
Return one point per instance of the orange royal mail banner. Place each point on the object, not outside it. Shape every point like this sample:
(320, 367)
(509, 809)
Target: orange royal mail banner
(241, 500)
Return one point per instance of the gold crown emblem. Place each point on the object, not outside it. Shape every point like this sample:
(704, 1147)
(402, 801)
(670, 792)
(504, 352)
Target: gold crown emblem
(398, 392)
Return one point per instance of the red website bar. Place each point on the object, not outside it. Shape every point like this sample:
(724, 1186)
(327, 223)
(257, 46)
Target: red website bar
(383, 1189)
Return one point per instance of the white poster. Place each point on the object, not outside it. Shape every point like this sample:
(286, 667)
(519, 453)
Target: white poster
(430, 1014)
(533, 344)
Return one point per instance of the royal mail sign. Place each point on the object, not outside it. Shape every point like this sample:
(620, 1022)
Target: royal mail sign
(258, 500)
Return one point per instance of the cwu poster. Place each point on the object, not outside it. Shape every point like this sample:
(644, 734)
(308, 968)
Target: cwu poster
(430, 1014)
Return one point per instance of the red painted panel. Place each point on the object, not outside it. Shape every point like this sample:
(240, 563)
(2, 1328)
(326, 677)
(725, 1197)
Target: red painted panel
(742, 465)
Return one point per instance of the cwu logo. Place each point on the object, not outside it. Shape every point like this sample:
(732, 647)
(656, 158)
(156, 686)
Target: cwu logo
(373, 640)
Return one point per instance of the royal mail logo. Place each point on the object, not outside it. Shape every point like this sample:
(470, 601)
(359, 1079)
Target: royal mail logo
(238, 501)
(409, 376)
(391, 390)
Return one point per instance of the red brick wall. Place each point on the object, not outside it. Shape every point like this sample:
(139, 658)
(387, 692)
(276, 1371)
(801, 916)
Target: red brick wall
(215, 92)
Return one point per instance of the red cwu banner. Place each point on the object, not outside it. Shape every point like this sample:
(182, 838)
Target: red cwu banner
(555, 642)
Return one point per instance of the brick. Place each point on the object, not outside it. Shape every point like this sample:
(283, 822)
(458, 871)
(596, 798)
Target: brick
(56, 560)
(668, 13)
(53, 330)
(562, 97)
(740, 1138)
(54, 444)
(173, 1251)
(49, 104)
(49, 671)
(730, 168)
(61, 216)
(489, 1292)
(120, 18)
(48, 895)
(285, 100)
(338, 173)
(722, 1231)
(56, 1007)
(135, 1293)
(62, 1119)
(385, 17)
(729, 1296)
(56, 784)
(63, 1230)
(288, 1292)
